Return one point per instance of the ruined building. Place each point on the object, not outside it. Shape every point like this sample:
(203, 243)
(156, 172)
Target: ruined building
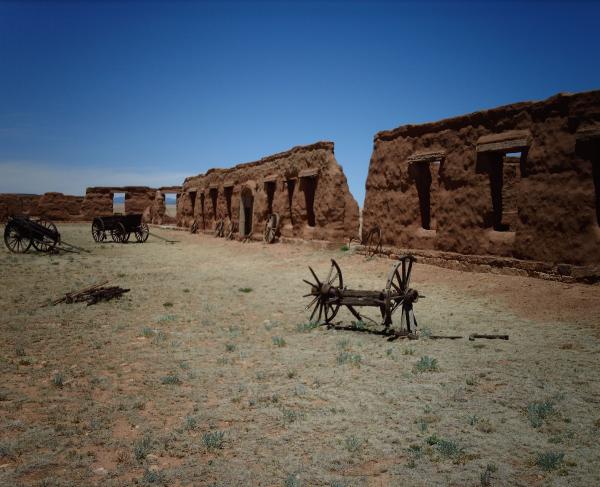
(521, 180)
(305, 186)
(150, 202)
(56, 206)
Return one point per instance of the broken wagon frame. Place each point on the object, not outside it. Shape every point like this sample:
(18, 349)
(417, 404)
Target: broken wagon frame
(330, 294)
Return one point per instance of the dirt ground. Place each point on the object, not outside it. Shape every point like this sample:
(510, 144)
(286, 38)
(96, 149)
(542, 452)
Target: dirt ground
(208, 373)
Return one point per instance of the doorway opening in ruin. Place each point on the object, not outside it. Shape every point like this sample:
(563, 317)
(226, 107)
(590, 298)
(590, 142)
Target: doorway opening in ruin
(596, 175)
(588, 148)
(228, 194)
(424, 167)
(504, 173)
(170, 200)
(193, 202)
(291, 185)
(214, 194)
(246, 212)
(202, 210)
(504, 157)
(426, 180)
(118, 200)
(308, 185)
(270, 190)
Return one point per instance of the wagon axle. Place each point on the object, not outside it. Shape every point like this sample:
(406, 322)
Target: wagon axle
(329, 295)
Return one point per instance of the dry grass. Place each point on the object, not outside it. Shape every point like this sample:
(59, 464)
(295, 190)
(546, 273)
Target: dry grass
(225, 387)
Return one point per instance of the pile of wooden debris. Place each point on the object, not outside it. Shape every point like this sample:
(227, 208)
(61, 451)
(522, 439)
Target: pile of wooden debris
(92, 294)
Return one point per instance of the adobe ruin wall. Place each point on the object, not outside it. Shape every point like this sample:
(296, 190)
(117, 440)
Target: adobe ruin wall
(305, 186)
(55, 206)
(150, 202)
(521, 181)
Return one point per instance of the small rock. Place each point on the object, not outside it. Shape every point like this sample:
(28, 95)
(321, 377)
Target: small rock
(153, 468)
(100, 471)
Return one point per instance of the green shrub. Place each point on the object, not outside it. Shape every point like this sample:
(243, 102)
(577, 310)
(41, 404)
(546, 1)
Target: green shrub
(213, 440)
(353, 444)
(537, 412)
(278, 341)
(550, 460)
(306, 327)
(58, 379)
(142, 447)
(427, 364)
(349, 358)
(171, 379)
(448, 448)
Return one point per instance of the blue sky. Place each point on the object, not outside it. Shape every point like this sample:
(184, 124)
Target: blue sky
(103, 93)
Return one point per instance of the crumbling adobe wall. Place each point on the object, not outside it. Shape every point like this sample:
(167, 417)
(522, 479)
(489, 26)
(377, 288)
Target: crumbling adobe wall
(309, 192)
(61, 207)
(157, 212)
(18, 204)
(554, 193)
(98, 201)
(55, 206)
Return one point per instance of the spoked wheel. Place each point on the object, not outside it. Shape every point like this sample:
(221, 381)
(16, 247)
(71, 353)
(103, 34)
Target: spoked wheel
(17, 240)
(373, 241)
(118, 233)
(230, 229)
(98, 233)
(142, 232)
(325, 300)
(219, 226)
(46, 242)
(399, 294)
(271, 227)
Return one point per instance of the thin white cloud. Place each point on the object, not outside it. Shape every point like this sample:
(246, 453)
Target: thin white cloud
(38, 178)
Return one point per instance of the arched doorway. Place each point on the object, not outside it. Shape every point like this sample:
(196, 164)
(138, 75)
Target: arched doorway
(246, 212)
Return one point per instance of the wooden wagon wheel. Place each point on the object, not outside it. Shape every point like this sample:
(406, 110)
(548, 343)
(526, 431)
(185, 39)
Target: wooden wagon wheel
(271, 228)
(142, 232)
(98, 232)
(325, 300)
(373, 242)
(219, 226)
(46, 243)
(118, 233)
(230, 230)
(17, 240)
(398, 293)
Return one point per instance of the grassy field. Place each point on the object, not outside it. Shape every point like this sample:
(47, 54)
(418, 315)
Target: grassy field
(208, 373)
